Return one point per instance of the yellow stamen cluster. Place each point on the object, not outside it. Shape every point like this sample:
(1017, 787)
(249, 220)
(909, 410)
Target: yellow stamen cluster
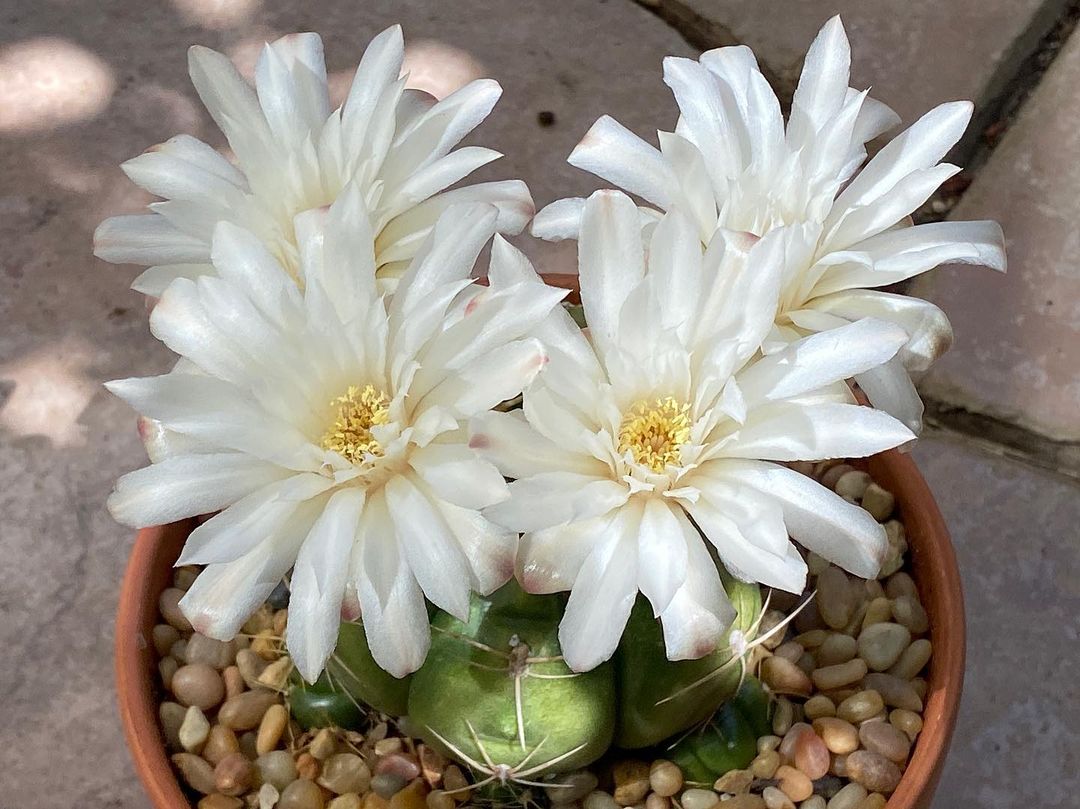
(654, 431)
(358, 411)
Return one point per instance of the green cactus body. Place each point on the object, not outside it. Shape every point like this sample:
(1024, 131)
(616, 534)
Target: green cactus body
(659, 698)
(495, 691)
(321, 704)
(728, 741)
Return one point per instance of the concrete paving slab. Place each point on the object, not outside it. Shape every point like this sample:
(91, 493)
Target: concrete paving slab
(915, 54)
(1017, 537)
(1017, 350)
(86, 85)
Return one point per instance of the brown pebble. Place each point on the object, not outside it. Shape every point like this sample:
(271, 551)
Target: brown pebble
(220, 743)
(768, 743)
(794, 783)
(817, 706)
(245, 711)
(852, 485)
(301, 794)
(167, 668)
(908, 721)
(873, 771)
(784, 677)
(414, 796)
(262, 618)
(886, 740)
(849, 797)
(881, 645)
(860, 707)
(878, 501)
(172, 716)
(790, 650)
(769, 621)
(776, 799)
(875, 800)
(912, 660)
(271, 727)
(437, 799)
(323, 745)
(307, 766)
(169, 607)
(214, 653)
(665, 778)
(783, 716)
(350, 800)
(811, 756)
(234, 774)
(765, 764)
(194, 731)
(196, 772)
(837, 648)
(247, 741)
(834, 473)
(790, 740)
(830, 677)
(345, 772)
(179, 649)
(219, 801)
(234, 682)
(909, 612)
(878, 611)
(401, 765)
(839, 735)
(281, 620)
(839, 766)
(900, 584)
(895, 692)
(388, 747)
(164, 636)
(734, 782)
(250, 666)
(631, 781)
(374, 800)
(198, 684)
(654, 801)
(432, 764)
(454, 782)
(276, 675)
(920, 686)
(278, 768)
(834, 598)
(745, 802)
(813, 802)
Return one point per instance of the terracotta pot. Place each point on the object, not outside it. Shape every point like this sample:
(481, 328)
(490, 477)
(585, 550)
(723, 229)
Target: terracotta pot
(150, 568)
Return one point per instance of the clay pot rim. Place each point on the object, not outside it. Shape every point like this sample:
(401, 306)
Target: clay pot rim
(935, 571)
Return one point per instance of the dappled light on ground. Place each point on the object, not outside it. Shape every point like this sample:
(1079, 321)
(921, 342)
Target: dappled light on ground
(50, 393)
(438, 68)
(216, 14)
(48, 82)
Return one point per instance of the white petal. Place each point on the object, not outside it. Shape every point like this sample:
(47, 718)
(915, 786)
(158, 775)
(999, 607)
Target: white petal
(559, 220)
(498, 376)
(790, 432)
(456, 474)
(230, 101)
(662, 553)
(489, 548)
(155, 280)
(548, 561)
(889, 388)
(556, 498)
(519, 451)
(614, 153)
(147, 239)
(435, 558)
(710, 117)
(600, 602)
(318, 582)
(817, 518)
(186, 486)
(378, 70)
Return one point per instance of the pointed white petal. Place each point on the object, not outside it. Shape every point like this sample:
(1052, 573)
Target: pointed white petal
(614, 153)
(519, 451)
(456, 474)
(662, 553)
(556, 498)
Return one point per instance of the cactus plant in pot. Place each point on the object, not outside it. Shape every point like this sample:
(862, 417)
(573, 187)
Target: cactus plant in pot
(534, 555)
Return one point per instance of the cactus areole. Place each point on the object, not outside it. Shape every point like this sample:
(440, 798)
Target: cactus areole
(494, 692)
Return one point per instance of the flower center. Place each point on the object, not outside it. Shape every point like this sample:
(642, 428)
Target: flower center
(358, 411)
(654, 431)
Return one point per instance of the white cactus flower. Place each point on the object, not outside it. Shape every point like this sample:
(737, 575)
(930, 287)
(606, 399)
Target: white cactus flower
(667, 424)
(293, 154)
(328, 427)
(733, 163)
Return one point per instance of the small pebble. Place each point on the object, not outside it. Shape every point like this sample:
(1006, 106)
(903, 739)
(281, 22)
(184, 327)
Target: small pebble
(437, 799)
(830, 677)
(745, 802)
(784, 677)
(179, 649)
(266, 645)
(839, 766)
(817, 706)
(839, 736)
(454, 782)
(875, 800)
(885, 740)
(250, 666)
(807, 663)
(908, 721)
(831, 475)
(219, 801)
(386, 784)
(881, 645)
(655, 801)
(912, 660)
(307, 766)
(269, 796)
(399, 764)
(813, 802)
(734, 782)
(901, 584)
(765, 764)
(699, 799)
(776, 799)
(794, 783)
(301, 794)
(271, 727)
(172, 717)
(599, 800)
(324, 744)
(791, 739)
(790, 650)
(277, 767)
(167, 668)
(198, 684)
(812, 639)
(234, 774)
(196, 772)
(569, 788)
(164, 636)
(920, 686)
(350, 800)
(432, 764)
(835, 649)
(345, 772)
(834, 598)
(811, 757)
(768, 743)
(219, 743)
(827, 786)
(194, 731)
(214, 653)
(388, 747)
(878, 611)
(783, 716)
(852, 485)
(631, 781)
(234, 682)
(769, 621)
(878, 501)
(245, 711)
(908, 612)
(895, 692)
(665, 778)
(374, 801)
(169, 607)
(847, 798)
(873, 771)
(247, 744)
(276, 675)
(860, 707)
